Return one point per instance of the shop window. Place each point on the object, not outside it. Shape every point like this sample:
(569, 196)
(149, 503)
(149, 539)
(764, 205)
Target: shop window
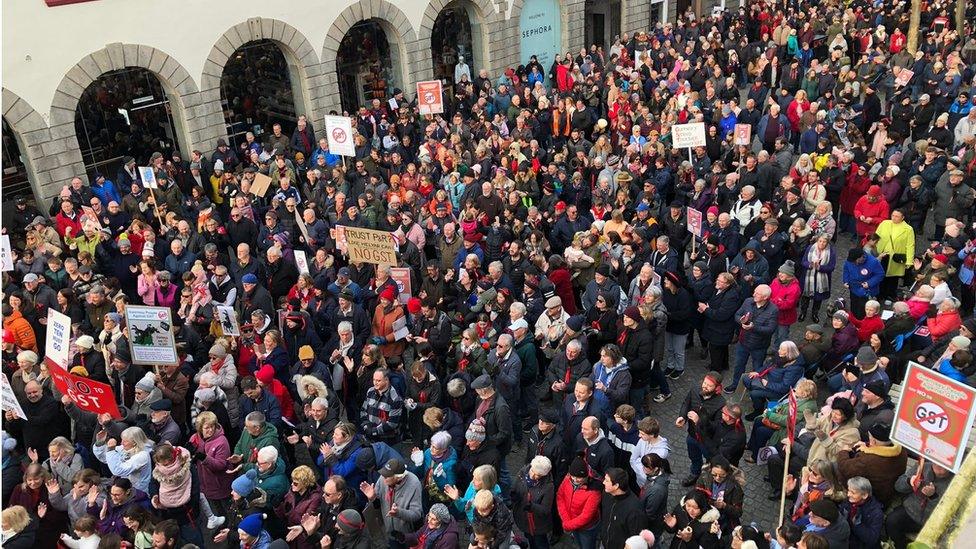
(256, 91)
(365, 64)
(15, 178)
(123, 113)
(450, 39)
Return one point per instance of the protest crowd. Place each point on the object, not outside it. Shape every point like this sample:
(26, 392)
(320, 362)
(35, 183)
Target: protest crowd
(495, 373)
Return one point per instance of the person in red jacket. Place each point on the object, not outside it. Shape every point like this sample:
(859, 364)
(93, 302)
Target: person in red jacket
(869, 211)
(67, 219)
(266, 378)
(871, 323)
(578, 502)
(785, 294)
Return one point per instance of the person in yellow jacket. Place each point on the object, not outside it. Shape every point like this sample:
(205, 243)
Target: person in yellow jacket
(896, 250)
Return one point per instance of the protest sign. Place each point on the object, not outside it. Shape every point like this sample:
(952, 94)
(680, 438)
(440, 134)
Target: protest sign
(227, 317)
(694, 222)
(339, 235)
(151, 337)
(90, 215)
(6, 255)
(57, 342)
(430, 99)
(338, 130)
(148, 176)
(401, 275)
(904, 77)
(370, 246)
(743, 134)
(688, 135)
(260, 185)
(87, 394)
(934, 416)
(301, 260)
(10, 402)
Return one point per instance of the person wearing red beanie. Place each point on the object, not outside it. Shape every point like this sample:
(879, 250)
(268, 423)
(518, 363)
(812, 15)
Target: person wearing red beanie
(266, 378)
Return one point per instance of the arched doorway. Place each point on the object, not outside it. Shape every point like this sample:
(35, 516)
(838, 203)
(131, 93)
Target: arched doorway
(16, 179)
(457, 33)
(603, 22)
(123, 113)
(257, 90)
(367, 65)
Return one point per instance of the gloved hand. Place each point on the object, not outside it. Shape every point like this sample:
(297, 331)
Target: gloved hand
(199, 456)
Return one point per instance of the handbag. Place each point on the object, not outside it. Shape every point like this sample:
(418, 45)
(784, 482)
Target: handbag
(897, 258)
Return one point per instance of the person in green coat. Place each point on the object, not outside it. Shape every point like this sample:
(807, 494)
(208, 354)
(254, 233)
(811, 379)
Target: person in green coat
(257, 434)
(896, 250)
(272, 475)
(770, 427)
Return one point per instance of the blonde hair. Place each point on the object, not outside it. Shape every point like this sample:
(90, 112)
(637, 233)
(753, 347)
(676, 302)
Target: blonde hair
(204, 419)
(483, 500)
(486, 476)
(807, 387)
(304, 476)
(16, 518)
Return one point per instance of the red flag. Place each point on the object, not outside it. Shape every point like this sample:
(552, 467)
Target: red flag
(791, 417)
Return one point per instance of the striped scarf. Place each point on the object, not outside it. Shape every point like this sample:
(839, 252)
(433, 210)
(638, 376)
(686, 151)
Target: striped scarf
(814, 281)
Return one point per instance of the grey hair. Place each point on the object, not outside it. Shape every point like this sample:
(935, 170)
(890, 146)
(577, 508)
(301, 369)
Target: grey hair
(873, 304)
(440, 440)
(274, 251)
(518, 306)
(62, 444)
(209, 378)
(268, 453)
(860, 484)
(507, 337)
(496, 266)
(540, 465)
(384, 269)
(487, 475)
(664, 239)
(574, 344)
(136, 436)
(792, 352)
(655, 292)
(344, 326)
(256, 418)
(321, 401)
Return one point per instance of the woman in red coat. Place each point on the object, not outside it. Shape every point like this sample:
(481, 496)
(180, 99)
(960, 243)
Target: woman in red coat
(857, 185)
(559, 275)
(869, 211)
(795, 110)
(871, 323)
(578, 503)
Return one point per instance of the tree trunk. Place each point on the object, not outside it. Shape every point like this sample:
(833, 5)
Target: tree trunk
(913, 24)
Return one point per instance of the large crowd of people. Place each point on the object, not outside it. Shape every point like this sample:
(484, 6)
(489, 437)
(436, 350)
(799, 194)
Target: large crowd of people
(510, 389)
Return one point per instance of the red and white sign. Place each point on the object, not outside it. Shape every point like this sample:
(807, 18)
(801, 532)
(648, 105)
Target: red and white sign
(430, 100)
(89, 395)
(934, 416)
(904, 77)
(694, 222)
(338, 130)
(401, 275)
(743, 134)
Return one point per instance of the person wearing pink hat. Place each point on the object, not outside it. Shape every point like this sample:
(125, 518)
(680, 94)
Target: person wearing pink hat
(869, 211)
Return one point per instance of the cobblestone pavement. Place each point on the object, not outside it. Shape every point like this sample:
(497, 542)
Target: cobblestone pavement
(758, 508)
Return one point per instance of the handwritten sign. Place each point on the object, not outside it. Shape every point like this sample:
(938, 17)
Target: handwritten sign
(688, 135)
(57, 342)
(260, 185)
(87, 394)
(6, 254)
(10, 401)
(934, 416)
(151, 335)
(370, 246)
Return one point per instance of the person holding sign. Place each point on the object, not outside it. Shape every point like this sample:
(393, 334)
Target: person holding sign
(45, 417)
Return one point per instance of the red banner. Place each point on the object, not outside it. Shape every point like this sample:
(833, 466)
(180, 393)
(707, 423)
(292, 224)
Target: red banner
(89, 395)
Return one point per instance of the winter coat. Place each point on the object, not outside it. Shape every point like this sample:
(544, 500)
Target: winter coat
(247, 446)
(882, 465)
(227, 380)
(112, 523)
(637, 346)
(214, 480)
(874, 212)
(865, 521)
(896, 239)
(785, 297)
(620, 517)
(532, 503)
(719, 327)
(294, 506)
(383, 327)
(617, 391)
(447, 537)
(952, 201)
(579, 506)
(701, 535)
(407, 497)
(779, 416)
(869, 271)
(764, 321)
(507, 373)
(730, 491)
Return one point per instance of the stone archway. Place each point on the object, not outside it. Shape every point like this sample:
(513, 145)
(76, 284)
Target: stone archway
(31, 132)
(190, 114)
(415, 64)
(484, 18)
(304, 66)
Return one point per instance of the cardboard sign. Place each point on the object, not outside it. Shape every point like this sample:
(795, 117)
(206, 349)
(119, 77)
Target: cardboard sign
(743, 134)
(87, 394)
(695, 222)
(338, 130)
(260, 185)
(228, 320)
(401, 275)
(57, 343)
(151, 337)
(370, 246)
(6, 254)
(301, 260)
(10, 401)
(934, 416)
(688, 135)
(904, 77)
(148, 176)
(429, 97)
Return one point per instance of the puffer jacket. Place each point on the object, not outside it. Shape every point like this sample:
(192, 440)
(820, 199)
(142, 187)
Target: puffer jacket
(579, 506)
(764, 321)
(214, 480)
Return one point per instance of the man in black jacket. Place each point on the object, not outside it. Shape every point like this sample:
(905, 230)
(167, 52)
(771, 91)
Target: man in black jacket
(597, 450)
(545, 441)
(699, 409)
(725, 435)
(621, 515)
(497, 416)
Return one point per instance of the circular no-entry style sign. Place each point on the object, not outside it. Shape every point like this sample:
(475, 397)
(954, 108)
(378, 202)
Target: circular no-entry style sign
(931, 417)
(339, 135)
(429, 98)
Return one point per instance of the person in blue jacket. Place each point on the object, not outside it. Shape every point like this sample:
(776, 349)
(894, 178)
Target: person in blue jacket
(775, 379)
(345, 457)
(863, 274)
(105, 190)
(750, 267)
(436, 468)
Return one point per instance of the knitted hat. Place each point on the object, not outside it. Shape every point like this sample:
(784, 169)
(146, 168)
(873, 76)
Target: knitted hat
(245, 483)
(413, 305)
(787, 269)
(249, 278)
(701, 266)
(844, 406)
(961, 342)
(388, 294)
(350, 521)
(85, 342)
(147, 383)
(476, 431)
(218, 350)
(880, 432)
(439, 510)
(575, 323)
(578, 468)
(603, 269)
(632, 313)
(114, 317)
(265, 374)
(866, 356)
(876, 387)
(252, 524)
(306, 352)
(8, 443)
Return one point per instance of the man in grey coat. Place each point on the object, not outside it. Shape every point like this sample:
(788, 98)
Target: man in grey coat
(757, 319)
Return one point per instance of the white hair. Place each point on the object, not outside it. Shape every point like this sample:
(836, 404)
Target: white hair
(344, 326)
(440, 440)
(540, 465)
(268, 453)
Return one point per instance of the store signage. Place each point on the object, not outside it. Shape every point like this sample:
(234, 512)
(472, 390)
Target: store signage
(540, 31)
(934, 416)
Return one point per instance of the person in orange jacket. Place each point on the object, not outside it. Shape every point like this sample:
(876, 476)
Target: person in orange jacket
(14, 323)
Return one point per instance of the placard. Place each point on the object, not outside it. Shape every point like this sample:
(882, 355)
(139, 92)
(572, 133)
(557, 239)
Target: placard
(934, 416)
(338, 130)
(904, 77)
(10, 401)
(148, 176)
(401, 275)
(87, 394)
(260, 185)
(339, 235)
(301, 260)
(370, 246)
(229, 324)
(151, 337)
(694, 222)
(688, 135)
(430, 99)
(57, 342)
(90, 214)
(743, 134)
(6, 254)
